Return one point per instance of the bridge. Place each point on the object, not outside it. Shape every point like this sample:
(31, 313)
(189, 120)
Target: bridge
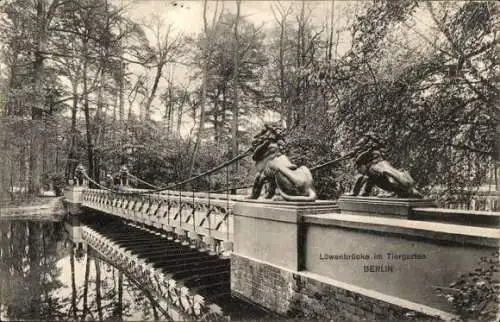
(185, 283)
(193, 217)
(349, 258)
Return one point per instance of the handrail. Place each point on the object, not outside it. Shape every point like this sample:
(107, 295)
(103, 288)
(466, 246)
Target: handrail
(179, 210)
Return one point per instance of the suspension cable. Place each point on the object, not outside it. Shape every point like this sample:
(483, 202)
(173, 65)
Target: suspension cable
(317, 167)
(322, 165)
(231, 188)
(177, 184)
(142, 181)
(225, 164)
(208, 172)
(97, 183)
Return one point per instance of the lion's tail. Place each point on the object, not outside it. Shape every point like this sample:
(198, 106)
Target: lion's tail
(311, 196)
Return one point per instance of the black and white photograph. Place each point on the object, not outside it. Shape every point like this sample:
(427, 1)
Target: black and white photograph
(242, 160)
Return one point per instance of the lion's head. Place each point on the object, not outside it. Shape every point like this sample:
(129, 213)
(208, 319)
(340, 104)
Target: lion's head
(269, 140)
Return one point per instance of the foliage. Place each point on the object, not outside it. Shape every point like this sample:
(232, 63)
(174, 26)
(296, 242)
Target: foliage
(475, 295)
(435, 110)
(221, 85)
(96, 74)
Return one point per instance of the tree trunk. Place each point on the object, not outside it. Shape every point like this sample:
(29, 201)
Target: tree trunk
(169, 108)
(86, 285)
(217, 124)
(90, 146)
(330, 39)
(26, 166)
(202, 118)
(179, 120)
(119, 309)
(224, 104)
(155, 311)
(147, 107)
(100, 122)
(72, 163)
(203, 91)
(34, 233)
(73, 282)
(98, 288)
(282, 72)
(37, 107)
(235, 120)
(121, 92)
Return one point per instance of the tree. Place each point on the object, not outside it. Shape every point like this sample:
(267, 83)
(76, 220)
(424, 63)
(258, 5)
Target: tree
(433, 105)
(166, 49)
(206, 50)
(281, 21)
(96, 29)
(33, 25)
(236, 81)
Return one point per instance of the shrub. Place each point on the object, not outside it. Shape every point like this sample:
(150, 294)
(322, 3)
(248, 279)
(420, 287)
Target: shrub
(474, 296)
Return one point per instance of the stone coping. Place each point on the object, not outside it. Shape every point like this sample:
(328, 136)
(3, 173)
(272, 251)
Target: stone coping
(284, 212)
(290, 204)
(386, 207)
(459, 211)
(479, 236)
(386, 200)
(464, 217)
(427, 310)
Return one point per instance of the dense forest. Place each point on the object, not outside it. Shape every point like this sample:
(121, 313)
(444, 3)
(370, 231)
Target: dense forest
(83, 81)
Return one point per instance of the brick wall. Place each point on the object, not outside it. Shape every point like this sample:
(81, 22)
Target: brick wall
(297, 296)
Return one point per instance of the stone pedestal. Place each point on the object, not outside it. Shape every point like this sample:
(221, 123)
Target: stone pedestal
(385, 207)
(268, 242)
(73, 199)
(269, 230)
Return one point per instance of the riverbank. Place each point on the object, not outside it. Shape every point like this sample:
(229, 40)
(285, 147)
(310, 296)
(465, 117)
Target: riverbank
(42, 208)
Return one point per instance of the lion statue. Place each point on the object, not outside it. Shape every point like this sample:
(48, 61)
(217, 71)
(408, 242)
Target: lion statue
(274, 168)
(374, 170)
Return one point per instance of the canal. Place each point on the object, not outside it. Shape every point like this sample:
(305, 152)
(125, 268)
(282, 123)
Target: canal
(45, 276)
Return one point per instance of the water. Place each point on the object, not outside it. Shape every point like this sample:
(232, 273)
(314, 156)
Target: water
(45, 276)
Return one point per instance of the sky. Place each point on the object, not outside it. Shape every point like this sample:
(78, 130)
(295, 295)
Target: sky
(187, 15)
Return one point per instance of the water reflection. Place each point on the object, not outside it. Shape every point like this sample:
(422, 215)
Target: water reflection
(45, 276)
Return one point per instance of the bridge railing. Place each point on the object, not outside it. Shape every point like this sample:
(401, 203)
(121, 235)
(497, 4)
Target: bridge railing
(193, 217)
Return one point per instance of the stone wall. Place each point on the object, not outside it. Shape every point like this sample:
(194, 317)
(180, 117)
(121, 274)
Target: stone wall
(298, 295)
(53, 210)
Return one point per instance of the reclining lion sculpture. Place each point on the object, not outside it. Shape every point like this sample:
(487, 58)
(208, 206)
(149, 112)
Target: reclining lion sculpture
(274, 168)
(375, 170)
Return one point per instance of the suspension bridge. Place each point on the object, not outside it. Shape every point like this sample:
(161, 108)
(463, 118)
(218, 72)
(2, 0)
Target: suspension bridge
(335, 259)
